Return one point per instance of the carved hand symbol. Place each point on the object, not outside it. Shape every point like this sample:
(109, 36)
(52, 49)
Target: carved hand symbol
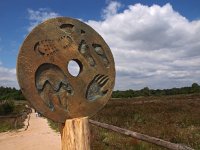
(95, 89)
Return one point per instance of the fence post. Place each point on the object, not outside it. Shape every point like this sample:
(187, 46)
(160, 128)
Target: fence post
(142, 137)
(75, 134)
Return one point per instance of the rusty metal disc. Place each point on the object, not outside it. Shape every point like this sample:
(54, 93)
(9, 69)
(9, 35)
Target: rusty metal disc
(44, 77)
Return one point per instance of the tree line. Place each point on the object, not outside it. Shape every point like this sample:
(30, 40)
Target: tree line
(194, 88)
(8, 93)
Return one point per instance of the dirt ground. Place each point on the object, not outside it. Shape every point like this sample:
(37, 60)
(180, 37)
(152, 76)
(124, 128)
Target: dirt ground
(38, 136)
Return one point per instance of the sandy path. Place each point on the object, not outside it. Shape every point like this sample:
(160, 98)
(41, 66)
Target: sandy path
(38, 136)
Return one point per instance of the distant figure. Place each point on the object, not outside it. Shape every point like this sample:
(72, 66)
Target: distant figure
(36, 114)
(40, 115)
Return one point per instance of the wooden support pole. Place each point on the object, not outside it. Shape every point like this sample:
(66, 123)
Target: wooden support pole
(75, 134)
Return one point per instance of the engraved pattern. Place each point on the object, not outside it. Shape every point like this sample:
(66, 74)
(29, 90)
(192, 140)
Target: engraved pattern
(44, 75)
(95, 89)
(99, 50)
(45, 47)
(49, 47)
(82, 32)
(84, 50)
(53, 86)
(64, 42)
(67, 28)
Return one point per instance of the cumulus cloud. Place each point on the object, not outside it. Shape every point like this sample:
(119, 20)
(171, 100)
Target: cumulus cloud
(111, 9)
(8, 77)
(37, 16)
(153, 46)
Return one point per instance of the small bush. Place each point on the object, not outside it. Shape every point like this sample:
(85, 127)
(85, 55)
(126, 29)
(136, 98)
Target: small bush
(53, 125)
(7, 107)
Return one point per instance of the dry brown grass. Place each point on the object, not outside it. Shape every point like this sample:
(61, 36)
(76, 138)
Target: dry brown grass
(172, 118)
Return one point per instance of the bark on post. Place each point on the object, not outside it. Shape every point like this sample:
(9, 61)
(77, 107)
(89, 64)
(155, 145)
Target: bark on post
(75, 134)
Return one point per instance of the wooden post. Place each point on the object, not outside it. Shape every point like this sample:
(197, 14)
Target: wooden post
(75, 134)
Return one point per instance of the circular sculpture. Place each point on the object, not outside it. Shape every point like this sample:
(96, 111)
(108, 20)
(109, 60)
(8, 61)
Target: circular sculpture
(43, 75)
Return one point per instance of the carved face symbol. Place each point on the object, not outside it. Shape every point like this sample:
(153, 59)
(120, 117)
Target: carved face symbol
(43, 73)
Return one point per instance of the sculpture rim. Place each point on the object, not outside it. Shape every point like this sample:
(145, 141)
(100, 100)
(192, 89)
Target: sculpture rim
(45, 80)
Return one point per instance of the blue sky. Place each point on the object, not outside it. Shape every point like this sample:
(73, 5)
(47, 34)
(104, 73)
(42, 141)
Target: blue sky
(160, 49)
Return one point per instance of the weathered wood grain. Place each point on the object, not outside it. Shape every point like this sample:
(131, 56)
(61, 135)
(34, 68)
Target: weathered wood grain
(75, 134)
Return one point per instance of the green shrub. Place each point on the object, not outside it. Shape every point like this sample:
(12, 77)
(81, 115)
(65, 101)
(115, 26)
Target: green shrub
(6, 107)
(53, 125)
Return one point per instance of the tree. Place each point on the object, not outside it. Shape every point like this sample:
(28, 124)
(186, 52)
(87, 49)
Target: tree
(195, 88)
(145, 91)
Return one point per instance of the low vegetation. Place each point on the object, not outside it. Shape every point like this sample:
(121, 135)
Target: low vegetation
(10, 93)
(194, 88)
(12, 115)
(172, 118)
(169, 114)
(14, 94)
(11, 104)
(6, 107)
(53, 125)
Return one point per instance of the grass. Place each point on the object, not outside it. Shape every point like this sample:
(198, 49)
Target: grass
(53, 125)
(172, 118)
(7, 124)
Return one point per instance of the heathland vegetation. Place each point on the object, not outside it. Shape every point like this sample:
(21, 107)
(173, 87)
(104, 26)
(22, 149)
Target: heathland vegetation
(194, 88)
(169, 114)
(12, 114)
(173, 118)
(12, 109)
(15, 94)
(10, 93)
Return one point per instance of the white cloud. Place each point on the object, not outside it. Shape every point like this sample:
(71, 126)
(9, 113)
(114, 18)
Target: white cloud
(37, 16)
(153, 46)
(8, 77)
(111, 9)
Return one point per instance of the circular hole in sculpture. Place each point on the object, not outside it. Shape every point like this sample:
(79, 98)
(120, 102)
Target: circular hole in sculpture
(74, 67)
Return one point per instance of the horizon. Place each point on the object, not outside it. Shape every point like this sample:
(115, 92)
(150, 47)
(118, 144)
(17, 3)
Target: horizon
(154, 44)
(131, 89)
